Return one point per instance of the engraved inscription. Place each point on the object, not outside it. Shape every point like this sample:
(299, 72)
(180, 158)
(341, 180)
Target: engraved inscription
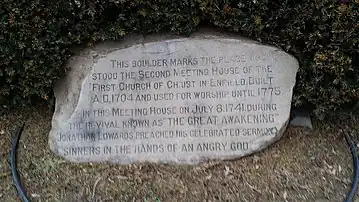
(201, 102)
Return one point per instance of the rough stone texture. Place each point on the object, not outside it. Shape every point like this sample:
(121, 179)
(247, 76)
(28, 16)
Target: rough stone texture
(244, 104)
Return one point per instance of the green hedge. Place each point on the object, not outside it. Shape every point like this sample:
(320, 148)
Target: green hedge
(37, 37)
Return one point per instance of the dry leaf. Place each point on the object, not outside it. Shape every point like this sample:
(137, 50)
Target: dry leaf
(226, 172)
(285, 195)
(35, 195)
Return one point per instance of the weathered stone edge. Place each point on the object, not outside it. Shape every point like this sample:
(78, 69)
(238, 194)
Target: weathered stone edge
(88, 57)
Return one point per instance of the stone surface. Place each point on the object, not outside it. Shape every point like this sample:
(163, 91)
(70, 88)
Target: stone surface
(301, 117)
(173, 100)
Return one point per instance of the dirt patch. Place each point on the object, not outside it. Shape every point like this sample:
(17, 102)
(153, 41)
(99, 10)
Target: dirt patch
(302, 166)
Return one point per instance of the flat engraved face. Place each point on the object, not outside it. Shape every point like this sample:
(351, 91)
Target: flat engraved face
(179, 101)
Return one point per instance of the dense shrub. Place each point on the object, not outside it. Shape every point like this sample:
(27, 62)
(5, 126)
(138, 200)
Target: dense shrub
(36, 38)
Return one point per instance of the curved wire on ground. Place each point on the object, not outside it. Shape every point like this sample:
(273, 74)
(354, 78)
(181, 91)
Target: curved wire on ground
(15, 175)
(354, 187)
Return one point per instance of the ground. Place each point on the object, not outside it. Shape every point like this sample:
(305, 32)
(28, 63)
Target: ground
(303, 166)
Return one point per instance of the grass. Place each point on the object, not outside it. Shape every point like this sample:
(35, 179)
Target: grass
(302, 166)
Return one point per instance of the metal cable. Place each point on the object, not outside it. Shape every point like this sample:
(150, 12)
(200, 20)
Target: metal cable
(351, 195)
(15, 175)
